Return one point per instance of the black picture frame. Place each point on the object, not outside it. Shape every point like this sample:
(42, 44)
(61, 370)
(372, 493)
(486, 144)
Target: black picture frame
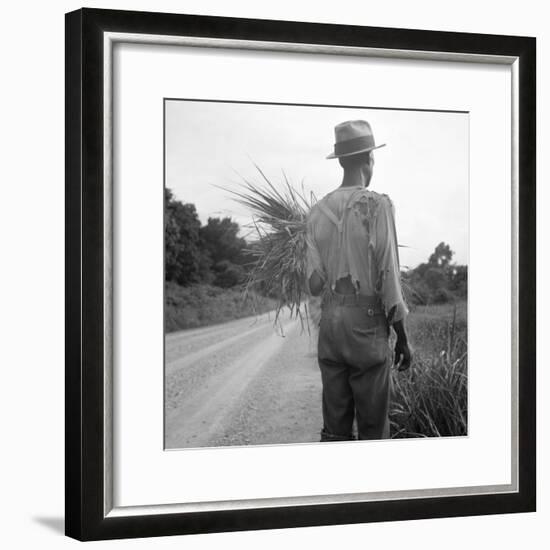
(85, 240)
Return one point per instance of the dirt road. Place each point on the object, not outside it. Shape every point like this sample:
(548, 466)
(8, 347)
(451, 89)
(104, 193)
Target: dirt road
(242, 383)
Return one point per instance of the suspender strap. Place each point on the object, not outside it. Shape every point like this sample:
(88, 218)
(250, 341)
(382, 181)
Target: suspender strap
(339, 223)
(331, 216)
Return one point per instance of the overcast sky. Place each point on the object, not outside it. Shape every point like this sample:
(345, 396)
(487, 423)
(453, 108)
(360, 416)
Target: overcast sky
(423, 168)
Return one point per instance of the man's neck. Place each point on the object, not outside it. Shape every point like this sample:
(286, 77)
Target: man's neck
(354, 178)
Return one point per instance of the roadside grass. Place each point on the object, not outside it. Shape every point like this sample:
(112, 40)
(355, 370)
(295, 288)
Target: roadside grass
(431, 398)
(202, 305)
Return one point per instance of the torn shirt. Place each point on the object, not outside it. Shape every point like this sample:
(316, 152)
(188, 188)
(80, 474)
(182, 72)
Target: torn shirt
(351, 233)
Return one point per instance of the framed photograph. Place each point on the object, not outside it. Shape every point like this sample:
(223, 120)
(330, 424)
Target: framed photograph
(300, 274)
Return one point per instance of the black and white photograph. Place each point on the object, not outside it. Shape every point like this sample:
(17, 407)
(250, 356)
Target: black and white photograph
(274, 276)
(316, 273)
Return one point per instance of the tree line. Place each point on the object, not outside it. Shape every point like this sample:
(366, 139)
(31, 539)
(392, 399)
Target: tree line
(214, 254)
(194, 253)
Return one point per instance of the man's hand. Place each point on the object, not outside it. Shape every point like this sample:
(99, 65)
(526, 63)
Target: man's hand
(403, 355)
(316, 284)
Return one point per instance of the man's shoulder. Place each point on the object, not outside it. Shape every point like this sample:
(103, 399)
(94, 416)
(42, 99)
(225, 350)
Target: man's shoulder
(385, 200)
(378, 200)
(382, 200)
(313, 213)
(318, 208)
(380, 196)
(373, 197)
(313, 209)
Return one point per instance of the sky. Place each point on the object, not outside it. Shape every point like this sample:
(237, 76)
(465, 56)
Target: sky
(424, 166)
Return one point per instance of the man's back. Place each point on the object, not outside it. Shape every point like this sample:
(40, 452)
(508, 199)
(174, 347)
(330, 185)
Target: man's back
(352, 244)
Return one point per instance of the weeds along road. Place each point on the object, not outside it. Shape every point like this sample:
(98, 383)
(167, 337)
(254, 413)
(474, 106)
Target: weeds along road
(242, 383)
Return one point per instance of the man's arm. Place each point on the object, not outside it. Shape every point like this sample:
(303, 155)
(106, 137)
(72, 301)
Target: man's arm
(314, 266)
(389, 283)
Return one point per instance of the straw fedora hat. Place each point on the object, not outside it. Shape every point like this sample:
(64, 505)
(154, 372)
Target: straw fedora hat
(353, 137)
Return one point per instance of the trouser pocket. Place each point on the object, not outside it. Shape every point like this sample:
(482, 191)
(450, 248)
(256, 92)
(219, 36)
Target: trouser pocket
(368, 348)
(367, 343)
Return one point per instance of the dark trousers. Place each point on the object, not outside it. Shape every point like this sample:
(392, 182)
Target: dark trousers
(354, 358)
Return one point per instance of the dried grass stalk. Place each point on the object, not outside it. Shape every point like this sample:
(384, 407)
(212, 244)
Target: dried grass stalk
(279, 252)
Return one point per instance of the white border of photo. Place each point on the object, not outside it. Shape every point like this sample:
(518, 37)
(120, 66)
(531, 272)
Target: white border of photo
(145, 477)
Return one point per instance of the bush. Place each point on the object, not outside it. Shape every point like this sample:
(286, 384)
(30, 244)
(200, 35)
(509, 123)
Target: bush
(202, 305)
(442, 296)
(438, 281)
(228, 274)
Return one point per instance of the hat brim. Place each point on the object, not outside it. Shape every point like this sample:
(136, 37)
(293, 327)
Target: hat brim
(333, 156)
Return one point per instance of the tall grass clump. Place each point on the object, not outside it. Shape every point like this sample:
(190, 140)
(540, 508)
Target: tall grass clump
(431, 398)
(279, 251)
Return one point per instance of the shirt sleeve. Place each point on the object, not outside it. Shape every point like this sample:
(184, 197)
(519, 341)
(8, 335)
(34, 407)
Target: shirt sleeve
(388, 283)
(313, 257)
